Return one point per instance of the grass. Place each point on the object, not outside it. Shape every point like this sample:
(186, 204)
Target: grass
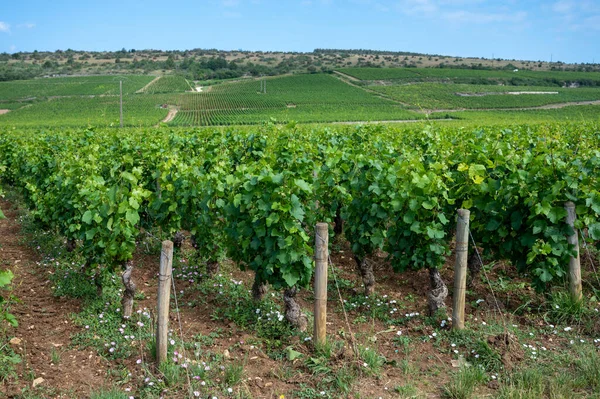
(565, 370)
(112, 393)
(463, 383)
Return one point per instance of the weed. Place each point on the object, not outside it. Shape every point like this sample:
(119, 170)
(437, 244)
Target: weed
(464, 382)
(55, 356)
(562, 309)
(329, 348)
(407, 391)
(234, 372)
(485, 356)
(113, 393)
(527, 383)
(344, 379)
(588, 367)
(372, 360)
(8, 360)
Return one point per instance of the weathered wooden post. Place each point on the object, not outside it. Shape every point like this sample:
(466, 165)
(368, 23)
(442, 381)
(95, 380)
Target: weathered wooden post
(574, 265)
(460, 269)
(321, 261)
(164, 296)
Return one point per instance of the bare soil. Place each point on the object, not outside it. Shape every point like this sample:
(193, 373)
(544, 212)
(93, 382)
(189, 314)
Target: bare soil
(44, 323)
(171, 115)
(45, 326)
(4, 111)
(143, 89)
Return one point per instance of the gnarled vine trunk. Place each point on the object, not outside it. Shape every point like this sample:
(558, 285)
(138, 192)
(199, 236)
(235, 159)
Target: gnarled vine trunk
(293, 313)
(212, 268)
(194, 242)
(474, 267)
(439, 291)
(71, 245)
(178, 239)
(338, 229)
(365, 269)
(259, 289)
(129, 293)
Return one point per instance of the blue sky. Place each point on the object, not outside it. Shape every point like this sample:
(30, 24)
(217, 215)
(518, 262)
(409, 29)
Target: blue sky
(566, 30)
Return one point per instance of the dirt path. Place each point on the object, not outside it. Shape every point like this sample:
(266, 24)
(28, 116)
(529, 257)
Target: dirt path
(4, 111)
(44, 324)
(351, 81)
(389, 121)
(346, 76)
(143, 89)
(171, 115)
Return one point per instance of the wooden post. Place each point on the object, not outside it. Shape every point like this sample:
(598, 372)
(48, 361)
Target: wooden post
(574, 265)
(321, 261)
(460, 269)
(121, 94)
(164, 296)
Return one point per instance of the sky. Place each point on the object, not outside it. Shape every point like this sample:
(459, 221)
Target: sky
(552, 30)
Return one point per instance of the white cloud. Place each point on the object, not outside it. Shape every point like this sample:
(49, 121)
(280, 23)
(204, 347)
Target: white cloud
(562, 6)
(27, 26)
(12, 48)
(417, 7)
(578, 15)
(462, 11)
(230, 3)
(483, 17)
(232, 14)
(4, 27)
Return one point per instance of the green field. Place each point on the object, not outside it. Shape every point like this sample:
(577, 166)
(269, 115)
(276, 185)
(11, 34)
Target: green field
(303, 98)
(138, 110)
(455, 96)
(400, 94)
(168, 84)
(551, 78)
(71, 86)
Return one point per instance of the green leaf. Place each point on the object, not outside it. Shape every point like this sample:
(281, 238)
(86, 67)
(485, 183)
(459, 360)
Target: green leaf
(2, 215)
(443, 218)
(428, 204)
(134, 203)
(544, 275)
(132, 217)
(89, 234)
(297, 212)
(303, 185)
(291, 278)
(292, 354)
(5, 278)
(11, 319)
(594, 231)
(87, 217)
(557, 214)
